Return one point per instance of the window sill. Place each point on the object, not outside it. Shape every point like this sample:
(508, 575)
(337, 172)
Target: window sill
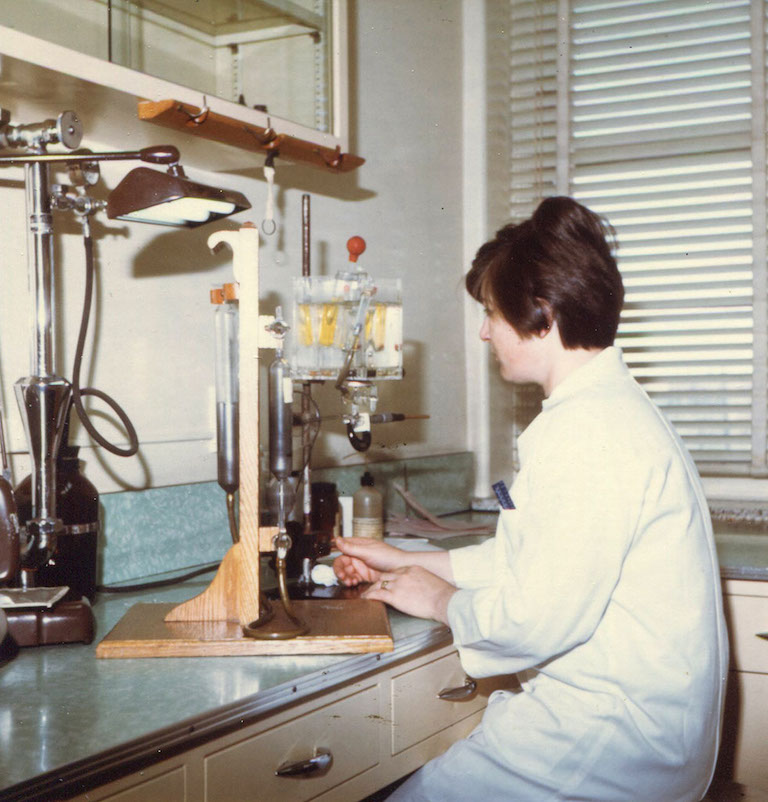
(735, 490)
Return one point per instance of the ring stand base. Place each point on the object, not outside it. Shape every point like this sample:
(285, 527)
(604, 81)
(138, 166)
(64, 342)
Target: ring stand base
(336, 626)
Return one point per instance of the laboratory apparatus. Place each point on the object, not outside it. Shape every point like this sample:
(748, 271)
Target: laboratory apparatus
(44, 397)
(282, 483)
(230, 616)
(280, 394)
(226, 365)
(74, 562)
(349, 328)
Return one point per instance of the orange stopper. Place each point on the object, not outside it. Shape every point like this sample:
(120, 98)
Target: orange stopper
(227, 292)
(355, 246)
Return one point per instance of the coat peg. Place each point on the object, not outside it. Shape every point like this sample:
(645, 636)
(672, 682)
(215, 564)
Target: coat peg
(274, 145)
(333, 163)
(264, 139)
(200, 117)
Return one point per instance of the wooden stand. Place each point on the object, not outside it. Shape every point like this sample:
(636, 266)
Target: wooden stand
(211, 623)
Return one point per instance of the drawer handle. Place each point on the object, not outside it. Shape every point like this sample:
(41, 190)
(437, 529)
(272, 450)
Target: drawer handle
(462, 692)
(318, 763)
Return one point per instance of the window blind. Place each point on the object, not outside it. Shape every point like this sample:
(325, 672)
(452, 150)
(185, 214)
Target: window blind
(653, 114)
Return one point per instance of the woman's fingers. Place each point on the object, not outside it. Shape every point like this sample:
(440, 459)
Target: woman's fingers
(378, 555)
(352, 571)
(415, 591)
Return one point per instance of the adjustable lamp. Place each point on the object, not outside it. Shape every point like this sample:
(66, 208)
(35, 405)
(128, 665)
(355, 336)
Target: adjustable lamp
(171, 199)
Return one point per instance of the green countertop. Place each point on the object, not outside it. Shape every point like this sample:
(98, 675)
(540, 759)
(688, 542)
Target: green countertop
(66, 715)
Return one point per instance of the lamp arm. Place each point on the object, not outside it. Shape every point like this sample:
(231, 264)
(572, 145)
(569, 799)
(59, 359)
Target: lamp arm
(155, 154)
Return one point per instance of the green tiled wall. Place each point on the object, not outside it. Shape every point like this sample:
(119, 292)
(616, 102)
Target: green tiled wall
(162, 529)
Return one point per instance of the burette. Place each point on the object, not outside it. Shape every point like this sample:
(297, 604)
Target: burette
(227, 360)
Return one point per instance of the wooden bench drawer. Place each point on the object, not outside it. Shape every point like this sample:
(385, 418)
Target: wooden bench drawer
(417, 710)
(348, 728)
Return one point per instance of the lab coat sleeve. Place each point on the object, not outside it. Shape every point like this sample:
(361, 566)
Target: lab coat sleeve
(558, 557)
(472, 566)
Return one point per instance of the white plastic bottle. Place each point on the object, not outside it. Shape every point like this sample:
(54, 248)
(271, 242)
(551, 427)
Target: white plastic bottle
(368, 510)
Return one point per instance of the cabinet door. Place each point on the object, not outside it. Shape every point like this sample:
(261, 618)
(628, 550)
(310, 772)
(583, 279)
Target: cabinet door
(348, 729)
(744, 751)
(750, 766)
(749, 616)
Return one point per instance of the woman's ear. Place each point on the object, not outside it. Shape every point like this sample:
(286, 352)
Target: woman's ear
(548, 317)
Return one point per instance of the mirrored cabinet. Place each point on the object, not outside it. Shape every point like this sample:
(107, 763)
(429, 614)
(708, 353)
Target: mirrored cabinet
(283, 60)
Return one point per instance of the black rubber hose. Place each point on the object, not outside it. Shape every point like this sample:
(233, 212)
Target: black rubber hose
(77, 391)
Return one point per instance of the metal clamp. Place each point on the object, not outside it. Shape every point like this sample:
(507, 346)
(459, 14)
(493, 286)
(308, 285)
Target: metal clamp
(462, 692)
(319, 763)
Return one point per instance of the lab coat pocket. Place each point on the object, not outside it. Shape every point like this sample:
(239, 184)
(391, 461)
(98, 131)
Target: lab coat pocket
(508, 528)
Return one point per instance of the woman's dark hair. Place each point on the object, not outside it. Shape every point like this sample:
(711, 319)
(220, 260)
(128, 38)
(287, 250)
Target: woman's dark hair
(556, 264)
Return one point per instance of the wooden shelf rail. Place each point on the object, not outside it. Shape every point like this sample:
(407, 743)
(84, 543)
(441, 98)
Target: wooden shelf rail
(228, 130)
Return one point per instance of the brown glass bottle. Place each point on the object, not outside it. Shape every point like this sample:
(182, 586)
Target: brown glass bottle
(77, 505)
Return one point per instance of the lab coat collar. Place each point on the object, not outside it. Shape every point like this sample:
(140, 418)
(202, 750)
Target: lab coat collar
(609, 363)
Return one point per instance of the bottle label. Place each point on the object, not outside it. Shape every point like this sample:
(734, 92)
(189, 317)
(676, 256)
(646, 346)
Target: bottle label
(368, 527)
(81, 529)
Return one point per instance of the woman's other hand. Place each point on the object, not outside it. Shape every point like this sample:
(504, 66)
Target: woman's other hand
(413, 590)
(364, 558)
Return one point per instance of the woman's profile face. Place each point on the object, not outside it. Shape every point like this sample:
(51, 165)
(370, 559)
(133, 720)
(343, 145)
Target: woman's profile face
(521, 358)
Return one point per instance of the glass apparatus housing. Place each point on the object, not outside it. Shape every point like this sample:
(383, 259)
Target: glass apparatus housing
(326, 311)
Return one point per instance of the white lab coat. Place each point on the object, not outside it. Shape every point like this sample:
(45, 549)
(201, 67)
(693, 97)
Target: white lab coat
(603, 588)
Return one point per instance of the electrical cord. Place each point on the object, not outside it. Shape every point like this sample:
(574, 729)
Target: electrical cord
(77, 390)
(158, 583)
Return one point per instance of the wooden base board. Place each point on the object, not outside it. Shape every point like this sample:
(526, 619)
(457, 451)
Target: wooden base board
(336, 626)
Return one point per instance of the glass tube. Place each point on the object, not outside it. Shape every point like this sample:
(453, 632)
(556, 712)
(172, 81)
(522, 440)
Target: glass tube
(226, 318)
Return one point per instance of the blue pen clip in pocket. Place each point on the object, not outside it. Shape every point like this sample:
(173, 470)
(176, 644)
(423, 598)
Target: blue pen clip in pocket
(502, 494)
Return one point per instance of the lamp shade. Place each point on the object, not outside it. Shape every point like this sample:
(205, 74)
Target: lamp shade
(151, 196)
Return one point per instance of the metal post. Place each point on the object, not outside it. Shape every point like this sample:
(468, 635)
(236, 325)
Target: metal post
(42, 396)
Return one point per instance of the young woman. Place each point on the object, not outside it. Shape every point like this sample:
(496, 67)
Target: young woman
(601, 588)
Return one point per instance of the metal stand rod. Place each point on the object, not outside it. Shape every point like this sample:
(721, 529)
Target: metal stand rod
(306, 391)
(43, 397)
(40, 265)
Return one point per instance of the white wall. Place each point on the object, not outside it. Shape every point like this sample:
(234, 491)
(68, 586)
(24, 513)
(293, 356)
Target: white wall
(153, 324)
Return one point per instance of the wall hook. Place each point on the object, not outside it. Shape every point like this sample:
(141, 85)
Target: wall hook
(269, 134)
(200, 117)
(335, 162)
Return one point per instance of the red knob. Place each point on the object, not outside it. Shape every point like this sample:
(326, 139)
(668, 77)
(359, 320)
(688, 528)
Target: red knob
(355, 246)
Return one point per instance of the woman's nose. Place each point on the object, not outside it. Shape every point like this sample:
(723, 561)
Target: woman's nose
(484, 332)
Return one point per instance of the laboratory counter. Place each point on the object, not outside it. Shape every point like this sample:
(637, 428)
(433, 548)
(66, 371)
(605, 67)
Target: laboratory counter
(70, 721)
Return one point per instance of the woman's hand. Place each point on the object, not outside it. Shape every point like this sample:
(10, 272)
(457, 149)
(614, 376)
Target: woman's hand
(364, 558)
(413, 590)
